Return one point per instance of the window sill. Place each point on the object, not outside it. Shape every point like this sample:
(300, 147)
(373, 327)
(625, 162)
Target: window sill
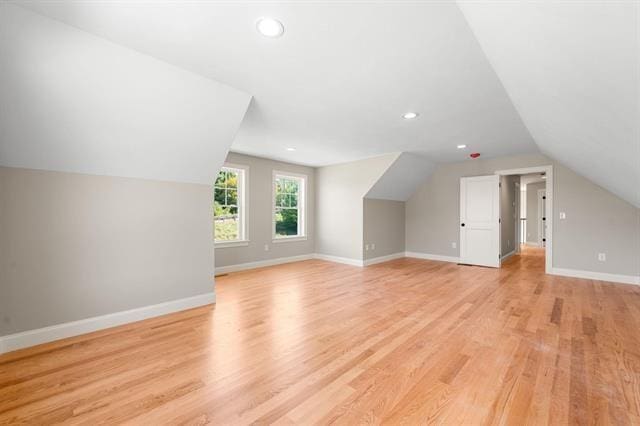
(225, 244)
(288, 239)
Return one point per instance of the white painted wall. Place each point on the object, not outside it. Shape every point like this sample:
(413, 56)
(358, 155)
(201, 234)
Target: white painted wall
(597, 220)
(383, 227)
(260, 225)
(75, 102)
(77, 246)
(340, 191)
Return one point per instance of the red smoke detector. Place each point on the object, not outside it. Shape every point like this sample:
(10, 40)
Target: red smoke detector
(474, 155)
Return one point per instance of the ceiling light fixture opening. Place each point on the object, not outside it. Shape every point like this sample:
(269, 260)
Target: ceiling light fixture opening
(291, 149)
(410, 115)
(463, 146)
(270, 27)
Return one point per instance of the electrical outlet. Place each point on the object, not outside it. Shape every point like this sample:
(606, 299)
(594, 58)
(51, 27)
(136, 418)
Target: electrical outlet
(373, 246)
(366, 247)
(266, 247)
(454, 244)
(602, 257)
(563, 215)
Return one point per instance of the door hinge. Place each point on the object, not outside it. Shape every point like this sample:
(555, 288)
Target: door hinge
(499, 184)
(544, 240)
(544, 197)
(499, 220)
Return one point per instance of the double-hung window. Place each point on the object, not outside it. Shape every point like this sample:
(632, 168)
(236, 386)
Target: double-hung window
(289, 195)
(229, 205)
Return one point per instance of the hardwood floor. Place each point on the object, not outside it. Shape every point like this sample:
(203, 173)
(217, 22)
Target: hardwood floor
(408, 341)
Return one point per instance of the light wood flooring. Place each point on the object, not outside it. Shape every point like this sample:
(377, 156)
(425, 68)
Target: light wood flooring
(408, 341)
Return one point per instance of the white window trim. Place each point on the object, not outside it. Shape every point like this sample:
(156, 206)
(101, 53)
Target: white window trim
(302, 207)
(243, 207)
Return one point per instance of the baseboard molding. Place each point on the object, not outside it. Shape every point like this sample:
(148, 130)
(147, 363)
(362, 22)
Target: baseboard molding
(25, 339)
(345, 260)
(601, 276)
(262, 263)
(428, 256)
(383, 259)
(532, 244)
(508, 255)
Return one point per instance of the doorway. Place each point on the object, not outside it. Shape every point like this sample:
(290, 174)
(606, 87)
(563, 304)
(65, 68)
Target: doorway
(534, 212)
(504, 213)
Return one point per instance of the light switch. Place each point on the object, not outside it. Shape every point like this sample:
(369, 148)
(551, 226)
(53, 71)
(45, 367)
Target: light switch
(563, 215)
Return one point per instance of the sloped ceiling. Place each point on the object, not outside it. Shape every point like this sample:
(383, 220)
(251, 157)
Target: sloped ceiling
(336, 84)
(71, 101)
(402, 178)
(572, 71)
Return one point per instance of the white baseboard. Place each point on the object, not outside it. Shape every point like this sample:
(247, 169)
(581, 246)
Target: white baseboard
(25, 339)
(508, 255)
(601, 276)
(532, 244)
(428, 256)
(383, 259)
(262, 263)
(345, 260)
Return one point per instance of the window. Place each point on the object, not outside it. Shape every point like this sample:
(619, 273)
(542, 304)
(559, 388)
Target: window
(229, 205)
(289, 206)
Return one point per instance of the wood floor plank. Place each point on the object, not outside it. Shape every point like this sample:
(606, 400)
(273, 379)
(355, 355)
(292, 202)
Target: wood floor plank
(403, 342)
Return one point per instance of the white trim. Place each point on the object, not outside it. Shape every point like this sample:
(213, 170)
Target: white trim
(532, 244)
(429, 256)
(601, 276)
(262, 263)
(381, 259)
(508, 255)
(541, 234)
(548, 170)
(345, 260)
(38, 336)
(234, 243)
(289, 239)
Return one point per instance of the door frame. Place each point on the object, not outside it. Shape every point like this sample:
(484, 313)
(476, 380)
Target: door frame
(541, 215)
(548, 170)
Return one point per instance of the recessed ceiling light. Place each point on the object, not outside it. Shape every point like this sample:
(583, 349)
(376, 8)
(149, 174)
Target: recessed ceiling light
(544, 177)
(461, 146)
(410, 115)
(270, 27)
(291, 149)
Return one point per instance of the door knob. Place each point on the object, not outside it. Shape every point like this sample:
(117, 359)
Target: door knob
(462, 224)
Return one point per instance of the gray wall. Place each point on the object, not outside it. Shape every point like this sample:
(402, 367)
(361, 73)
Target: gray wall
(384, 226)
(340, 190)
(508, 192)
(260, 220)
(76, 246)
(532, 212)
(597, 221)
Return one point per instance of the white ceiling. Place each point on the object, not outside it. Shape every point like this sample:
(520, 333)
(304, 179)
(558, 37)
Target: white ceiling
(572, 70)
(336, 84)
(71, 101)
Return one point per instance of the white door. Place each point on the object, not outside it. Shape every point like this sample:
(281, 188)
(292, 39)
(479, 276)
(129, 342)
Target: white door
(480, 220)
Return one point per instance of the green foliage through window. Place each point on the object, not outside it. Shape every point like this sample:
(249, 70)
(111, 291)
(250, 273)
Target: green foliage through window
(225, 206)
(287, 209)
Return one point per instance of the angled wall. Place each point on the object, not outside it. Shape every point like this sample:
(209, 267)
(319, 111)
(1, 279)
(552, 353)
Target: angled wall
(125, 221)
(572, 71)
(340, 192)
